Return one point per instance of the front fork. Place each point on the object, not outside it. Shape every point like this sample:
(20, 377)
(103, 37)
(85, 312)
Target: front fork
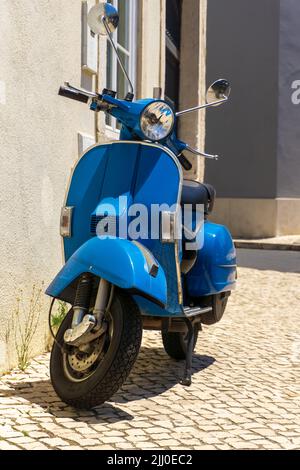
(86, 326)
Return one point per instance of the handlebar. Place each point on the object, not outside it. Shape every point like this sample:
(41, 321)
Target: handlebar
(106, 103)
(63, 91)
(77, 94)
(185, 162)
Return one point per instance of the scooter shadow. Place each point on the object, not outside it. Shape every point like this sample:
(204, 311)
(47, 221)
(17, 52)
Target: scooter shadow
(153, 374)
(40, 394)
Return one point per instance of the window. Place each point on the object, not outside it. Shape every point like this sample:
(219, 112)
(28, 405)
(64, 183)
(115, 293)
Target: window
(125, 39)
(173, 31)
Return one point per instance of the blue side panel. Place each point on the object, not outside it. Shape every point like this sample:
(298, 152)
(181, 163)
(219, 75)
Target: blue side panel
(158, 178)
(118, 261)
(154, 189)
(144, 174)
(120, 171)
(84, 191)
(215, 268)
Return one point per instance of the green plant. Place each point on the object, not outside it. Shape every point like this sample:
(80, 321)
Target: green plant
(24, 323)
(58, 317)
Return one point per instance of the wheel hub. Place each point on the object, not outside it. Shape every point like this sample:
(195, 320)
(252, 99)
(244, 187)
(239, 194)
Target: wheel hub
(81, 361)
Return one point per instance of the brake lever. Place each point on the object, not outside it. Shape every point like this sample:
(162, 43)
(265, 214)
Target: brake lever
(202, 154)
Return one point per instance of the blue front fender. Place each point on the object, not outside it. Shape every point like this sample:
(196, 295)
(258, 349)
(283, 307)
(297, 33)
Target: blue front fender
(121, 262)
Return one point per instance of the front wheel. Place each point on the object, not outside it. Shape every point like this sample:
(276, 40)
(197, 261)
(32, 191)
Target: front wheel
(175, 344)
(88, 376)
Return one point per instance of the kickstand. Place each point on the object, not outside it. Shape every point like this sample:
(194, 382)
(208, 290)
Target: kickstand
(187, 378)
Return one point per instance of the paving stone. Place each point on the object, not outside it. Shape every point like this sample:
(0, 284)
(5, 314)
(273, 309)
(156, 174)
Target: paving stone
(7, 446)
(91, 442)
(244, 395)
(54, 442)
(70, 448)
(27, 428)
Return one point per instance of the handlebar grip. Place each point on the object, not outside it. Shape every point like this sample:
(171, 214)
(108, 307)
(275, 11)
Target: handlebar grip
(185, 162)
(73, 94)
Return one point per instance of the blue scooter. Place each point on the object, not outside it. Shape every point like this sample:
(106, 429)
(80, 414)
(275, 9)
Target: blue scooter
(135, 258)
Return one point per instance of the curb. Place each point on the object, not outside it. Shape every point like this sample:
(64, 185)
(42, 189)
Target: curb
(252, 245)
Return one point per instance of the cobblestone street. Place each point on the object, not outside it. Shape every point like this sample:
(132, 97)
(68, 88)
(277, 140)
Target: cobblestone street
(245, 392)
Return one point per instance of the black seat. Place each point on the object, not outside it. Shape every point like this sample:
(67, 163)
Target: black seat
(198, 193)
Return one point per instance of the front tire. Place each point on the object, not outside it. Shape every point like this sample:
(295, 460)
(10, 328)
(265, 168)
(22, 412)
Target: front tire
(175, 344)
(88, 379)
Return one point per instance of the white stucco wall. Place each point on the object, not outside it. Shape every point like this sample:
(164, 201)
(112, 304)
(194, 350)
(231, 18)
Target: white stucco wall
(40, 48)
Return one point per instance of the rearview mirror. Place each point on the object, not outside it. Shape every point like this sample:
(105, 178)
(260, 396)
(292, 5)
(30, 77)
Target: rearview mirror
(218, 92)
(101, 15)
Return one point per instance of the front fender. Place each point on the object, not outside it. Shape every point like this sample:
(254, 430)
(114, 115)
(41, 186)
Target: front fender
(124, 263)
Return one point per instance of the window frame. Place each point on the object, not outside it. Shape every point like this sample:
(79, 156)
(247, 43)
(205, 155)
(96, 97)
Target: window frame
(173, 45)
(131, 53)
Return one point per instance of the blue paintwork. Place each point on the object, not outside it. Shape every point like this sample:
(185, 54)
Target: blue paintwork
(215, 268)
(118, 261)
(108, 171)
(129, 113)
(149, 309)
(103, 174)
(144, 174)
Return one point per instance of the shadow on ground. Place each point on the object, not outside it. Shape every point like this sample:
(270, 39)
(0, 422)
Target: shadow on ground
(153, 374)
(269, 260)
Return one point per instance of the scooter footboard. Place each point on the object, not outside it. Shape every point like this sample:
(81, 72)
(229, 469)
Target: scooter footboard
(125, 264)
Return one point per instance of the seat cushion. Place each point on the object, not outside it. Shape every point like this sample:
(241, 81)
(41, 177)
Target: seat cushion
(198, 193)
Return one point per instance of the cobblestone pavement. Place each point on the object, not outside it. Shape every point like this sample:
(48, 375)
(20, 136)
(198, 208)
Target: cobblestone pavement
(245, 392)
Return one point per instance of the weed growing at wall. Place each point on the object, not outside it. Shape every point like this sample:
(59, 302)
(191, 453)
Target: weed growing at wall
(60, 314)
(24, 323)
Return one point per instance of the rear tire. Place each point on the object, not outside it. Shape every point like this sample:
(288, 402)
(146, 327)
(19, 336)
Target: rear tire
(175, 344)
(115, 360)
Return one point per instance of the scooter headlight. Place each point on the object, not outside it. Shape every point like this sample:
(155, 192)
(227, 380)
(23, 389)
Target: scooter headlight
(157, 121)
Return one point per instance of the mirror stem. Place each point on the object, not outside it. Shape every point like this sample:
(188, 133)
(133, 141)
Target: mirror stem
(203, 106)
(118, 56)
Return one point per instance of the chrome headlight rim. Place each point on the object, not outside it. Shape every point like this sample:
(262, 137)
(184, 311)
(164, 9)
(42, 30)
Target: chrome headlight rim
(171, 127)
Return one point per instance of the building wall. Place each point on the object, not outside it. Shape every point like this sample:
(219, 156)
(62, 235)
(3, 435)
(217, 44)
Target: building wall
(255, 45)
(288, 172)
(40, 48)
(151, 47)
(192, 81)
(242, 46)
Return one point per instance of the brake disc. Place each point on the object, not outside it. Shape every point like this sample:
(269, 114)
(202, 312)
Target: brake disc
(81, 361)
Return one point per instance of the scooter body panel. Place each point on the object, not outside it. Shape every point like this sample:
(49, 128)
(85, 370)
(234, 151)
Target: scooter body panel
(215, 269)
(106, 181)
(118, 261)
(143, 173)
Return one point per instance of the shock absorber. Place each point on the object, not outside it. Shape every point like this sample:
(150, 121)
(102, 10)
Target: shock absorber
(82, 322)
(82, 299)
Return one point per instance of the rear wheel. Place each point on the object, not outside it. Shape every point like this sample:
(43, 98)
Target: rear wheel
(88, 376)
(175, 344)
